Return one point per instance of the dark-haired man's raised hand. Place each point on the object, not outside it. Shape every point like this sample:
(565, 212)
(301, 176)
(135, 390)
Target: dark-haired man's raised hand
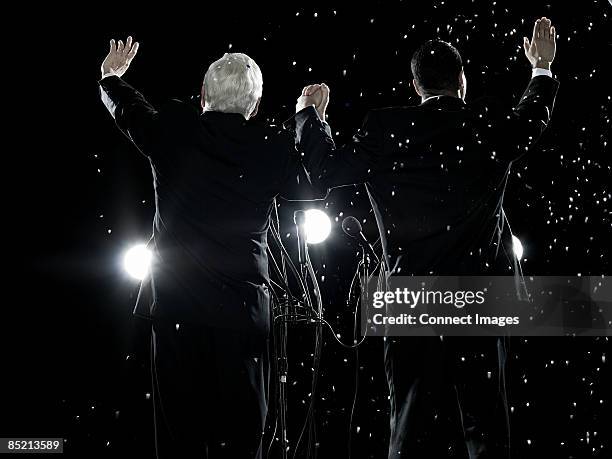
(541, 49)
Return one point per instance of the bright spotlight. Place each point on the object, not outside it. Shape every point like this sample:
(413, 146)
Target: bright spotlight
(137, 261)
(517, 247)
(317, 226)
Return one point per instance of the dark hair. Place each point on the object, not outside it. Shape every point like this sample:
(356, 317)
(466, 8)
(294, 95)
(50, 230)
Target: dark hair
(436, 66)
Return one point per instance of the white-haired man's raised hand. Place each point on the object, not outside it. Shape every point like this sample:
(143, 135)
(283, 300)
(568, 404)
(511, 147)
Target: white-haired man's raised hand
(316, 95)
(119, 57)
(543, 45)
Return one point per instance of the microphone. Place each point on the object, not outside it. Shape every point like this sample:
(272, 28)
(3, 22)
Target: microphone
(299, 218)
(352, 227)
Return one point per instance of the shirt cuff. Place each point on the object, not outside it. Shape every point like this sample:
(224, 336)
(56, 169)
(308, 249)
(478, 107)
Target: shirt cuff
(540, 72)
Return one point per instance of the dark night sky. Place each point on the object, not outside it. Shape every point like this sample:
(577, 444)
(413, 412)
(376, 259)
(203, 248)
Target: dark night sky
(80, 194)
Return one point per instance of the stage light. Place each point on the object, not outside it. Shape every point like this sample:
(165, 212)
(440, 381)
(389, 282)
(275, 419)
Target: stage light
(137, 261)
(517, 247)
(317, 226)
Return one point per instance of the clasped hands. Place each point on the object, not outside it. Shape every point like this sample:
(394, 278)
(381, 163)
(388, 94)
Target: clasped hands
(316, 95)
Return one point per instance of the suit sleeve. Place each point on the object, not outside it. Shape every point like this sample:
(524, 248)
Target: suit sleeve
(329, 166)
(134, 115)
(299, 186)
(296, 185)
(517, 131)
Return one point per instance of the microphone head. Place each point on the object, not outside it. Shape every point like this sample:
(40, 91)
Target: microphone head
(299, 217)
(351, 226)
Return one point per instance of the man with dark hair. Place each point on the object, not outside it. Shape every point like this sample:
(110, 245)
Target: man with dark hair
(435, 175)
(437, 68)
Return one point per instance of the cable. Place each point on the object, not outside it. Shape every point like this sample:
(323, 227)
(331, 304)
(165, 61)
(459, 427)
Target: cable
(280, 344)
(274, 369)
(292, 267)
(356, 391)
(313, 315)
(380, 267)
(309, 420)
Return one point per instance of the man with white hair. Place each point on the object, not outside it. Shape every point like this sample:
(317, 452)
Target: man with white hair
(216, 175)
(233, 84)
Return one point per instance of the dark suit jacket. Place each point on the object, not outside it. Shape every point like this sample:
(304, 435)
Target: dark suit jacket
(436, 175)
(216, 176)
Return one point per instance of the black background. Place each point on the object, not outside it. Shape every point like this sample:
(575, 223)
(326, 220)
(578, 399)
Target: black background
(75, 361)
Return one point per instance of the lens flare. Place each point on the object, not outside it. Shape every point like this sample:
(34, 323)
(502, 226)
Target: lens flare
(517, 247)
(317, 226)
(137, 261)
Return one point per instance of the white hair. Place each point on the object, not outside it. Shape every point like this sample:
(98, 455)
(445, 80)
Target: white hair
(233, 84)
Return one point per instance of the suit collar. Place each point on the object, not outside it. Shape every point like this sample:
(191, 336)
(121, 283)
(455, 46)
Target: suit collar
(210, 114)
(443, 101)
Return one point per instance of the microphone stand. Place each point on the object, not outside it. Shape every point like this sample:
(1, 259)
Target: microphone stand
(363, 272)
(280, 344)
(299, 218)
(316, 318)
(289, 312)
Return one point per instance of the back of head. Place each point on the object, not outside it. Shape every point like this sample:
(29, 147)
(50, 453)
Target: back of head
(436, 67)
(233, 84)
